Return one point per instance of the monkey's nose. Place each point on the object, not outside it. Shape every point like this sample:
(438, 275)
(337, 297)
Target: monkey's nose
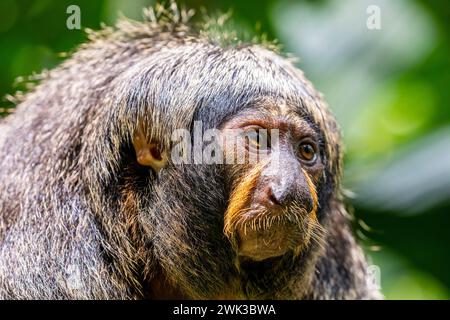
(277, 194)
(280, 188)
(273, 196)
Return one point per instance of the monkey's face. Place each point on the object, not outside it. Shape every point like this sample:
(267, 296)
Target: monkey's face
(274, 182)
(273, 202)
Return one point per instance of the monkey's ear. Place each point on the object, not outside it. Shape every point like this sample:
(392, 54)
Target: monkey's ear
(148, 154)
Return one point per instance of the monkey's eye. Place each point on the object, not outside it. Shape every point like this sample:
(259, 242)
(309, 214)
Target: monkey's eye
(256, 139)
(307, 152)
(253, 139)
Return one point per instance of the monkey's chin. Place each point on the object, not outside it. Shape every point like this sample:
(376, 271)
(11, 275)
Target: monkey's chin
(259, 245)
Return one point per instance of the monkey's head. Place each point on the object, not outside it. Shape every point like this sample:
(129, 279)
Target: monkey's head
(214, 221)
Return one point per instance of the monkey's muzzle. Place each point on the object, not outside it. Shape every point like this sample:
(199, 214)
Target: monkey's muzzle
(269, 215)
(261, 244)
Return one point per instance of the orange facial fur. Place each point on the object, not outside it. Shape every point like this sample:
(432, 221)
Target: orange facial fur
(240, 197)
(313, 192)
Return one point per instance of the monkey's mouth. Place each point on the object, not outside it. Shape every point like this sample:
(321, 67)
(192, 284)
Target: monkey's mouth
(265, 243)
(259, 233)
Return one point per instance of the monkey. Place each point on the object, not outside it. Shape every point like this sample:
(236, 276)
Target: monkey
(94, 206)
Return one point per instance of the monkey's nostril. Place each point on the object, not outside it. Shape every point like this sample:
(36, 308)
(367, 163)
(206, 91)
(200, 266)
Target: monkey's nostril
(271, 196)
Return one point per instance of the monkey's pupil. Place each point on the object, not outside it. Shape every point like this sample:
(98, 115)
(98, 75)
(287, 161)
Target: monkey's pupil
(253, 139)
(307, 151)
(256, 139)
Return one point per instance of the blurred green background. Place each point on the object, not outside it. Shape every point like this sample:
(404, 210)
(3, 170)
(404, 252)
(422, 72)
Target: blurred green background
(389, 89)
